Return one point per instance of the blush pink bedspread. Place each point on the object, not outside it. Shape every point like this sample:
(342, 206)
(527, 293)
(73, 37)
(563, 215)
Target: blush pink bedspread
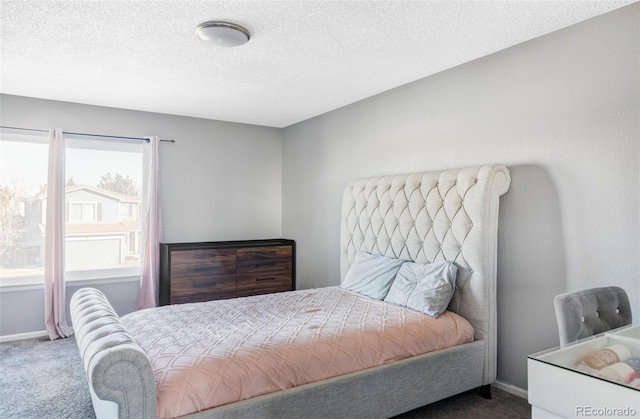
(210, 354)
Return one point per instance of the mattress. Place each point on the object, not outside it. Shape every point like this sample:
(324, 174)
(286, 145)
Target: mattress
(209, 354)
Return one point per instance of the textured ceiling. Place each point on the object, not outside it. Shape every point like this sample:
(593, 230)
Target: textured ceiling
(304, 58)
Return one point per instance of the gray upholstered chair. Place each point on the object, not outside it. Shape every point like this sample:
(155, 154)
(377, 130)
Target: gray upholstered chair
(591, 311)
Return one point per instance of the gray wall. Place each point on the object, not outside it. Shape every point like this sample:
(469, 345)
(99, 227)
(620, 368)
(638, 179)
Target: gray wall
(562, 111)
(220, 181)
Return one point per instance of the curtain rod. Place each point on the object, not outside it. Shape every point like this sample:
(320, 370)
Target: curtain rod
(88, 135)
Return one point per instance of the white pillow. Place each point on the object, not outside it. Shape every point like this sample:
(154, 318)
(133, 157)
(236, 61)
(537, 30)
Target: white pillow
(426, 287)
(371, 275)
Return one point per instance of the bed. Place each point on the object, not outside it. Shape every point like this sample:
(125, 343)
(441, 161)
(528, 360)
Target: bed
(448, 217)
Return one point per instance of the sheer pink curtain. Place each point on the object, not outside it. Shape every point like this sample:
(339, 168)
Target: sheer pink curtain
(151, 225)
(55, 314)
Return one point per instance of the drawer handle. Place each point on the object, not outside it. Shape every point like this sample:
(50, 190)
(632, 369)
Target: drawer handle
(265, 279)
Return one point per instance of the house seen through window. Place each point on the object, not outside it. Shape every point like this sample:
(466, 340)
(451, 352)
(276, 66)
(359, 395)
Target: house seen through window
(102, 206)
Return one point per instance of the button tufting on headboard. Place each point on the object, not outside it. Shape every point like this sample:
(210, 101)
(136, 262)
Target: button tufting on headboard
(428, 217)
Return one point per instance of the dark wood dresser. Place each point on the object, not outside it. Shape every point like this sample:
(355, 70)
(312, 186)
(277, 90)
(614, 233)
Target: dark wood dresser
(194, 272)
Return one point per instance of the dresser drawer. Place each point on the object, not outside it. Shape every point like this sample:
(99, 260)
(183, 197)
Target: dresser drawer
(202, 262)
(267, 279)
(190, 286)
(264, 258)
(196, 289)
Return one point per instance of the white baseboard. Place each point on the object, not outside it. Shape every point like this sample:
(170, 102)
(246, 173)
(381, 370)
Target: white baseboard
(510, 388)
(21, 336)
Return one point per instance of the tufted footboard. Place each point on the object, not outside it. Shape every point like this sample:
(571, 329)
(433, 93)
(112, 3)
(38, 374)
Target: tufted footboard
(120, 376)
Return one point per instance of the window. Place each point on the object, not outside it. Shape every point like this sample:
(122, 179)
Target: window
(23, 185)
(104, 180)
(130, 212)
(82, 211)
(102, 207)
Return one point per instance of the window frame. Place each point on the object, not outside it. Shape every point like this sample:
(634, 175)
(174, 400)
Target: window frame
(78, 277)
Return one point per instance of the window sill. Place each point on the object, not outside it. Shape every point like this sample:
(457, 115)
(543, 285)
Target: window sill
(37, 282)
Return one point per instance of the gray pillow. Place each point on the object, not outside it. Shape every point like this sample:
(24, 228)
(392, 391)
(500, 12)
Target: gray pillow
(371, 275)
(426, 287)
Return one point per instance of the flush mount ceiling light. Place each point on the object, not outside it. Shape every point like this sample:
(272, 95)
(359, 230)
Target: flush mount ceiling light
(223, 34)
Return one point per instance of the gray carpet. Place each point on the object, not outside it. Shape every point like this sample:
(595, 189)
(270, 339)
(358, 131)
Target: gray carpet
(45, 379)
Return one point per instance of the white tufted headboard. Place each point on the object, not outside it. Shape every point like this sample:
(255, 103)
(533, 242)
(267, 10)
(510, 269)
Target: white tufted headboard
(432, 216)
